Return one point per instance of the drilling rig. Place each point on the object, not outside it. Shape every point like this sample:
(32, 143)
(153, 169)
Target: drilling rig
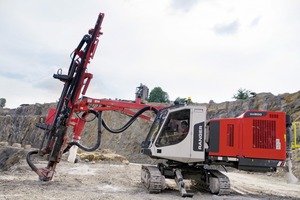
(254, 141)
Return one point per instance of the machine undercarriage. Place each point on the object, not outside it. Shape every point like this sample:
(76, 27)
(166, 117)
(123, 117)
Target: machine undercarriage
(203, 177)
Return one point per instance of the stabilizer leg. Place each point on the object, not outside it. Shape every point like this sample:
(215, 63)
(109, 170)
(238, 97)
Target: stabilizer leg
(181, 184)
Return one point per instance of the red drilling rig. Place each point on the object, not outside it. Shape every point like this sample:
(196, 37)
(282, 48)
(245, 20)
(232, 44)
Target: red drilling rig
(254, 141)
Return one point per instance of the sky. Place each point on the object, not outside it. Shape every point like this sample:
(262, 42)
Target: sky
(205, 49)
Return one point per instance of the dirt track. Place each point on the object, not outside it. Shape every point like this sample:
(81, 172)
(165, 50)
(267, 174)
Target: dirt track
(103, 180)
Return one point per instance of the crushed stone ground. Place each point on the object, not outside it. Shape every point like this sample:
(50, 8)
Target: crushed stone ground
(108, 180)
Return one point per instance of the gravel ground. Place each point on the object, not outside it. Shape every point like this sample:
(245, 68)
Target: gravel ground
(107, 180)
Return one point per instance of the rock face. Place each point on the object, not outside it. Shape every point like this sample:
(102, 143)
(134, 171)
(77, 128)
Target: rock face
(289, 103)
(18, 125)
(10, 156)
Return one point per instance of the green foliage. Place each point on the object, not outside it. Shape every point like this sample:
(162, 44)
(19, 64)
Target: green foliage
(183, 100)
(2, 102)
(180, 100)
(242, 94)
(158, 95)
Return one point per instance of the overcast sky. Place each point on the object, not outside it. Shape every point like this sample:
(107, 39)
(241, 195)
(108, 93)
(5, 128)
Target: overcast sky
(206, 49)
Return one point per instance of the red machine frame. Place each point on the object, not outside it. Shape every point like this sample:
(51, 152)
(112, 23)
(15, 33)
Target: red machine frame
(255, 134)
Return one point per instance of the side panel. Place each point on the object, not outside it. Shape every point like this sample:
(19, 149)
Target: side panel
(198, 135)
(224, 137)
(198, 144)
(214, 137)
(178, 152)
(263, 136)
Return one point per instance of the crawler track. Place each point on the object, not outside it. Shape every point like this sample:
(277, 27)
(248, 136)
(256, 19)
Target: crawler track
(219, 183)
(152, 179)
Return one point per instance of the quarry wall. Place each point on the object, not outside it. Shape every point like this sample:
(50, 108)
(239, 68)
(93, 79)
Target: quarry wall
(18, 125)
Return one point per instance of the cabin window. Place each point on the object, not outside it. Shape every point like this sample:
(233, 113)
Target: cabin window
(175, 129)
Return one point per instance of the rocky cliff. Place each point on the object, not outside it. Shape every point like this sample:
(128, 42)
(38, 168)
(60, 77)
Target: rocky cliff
(18, 125)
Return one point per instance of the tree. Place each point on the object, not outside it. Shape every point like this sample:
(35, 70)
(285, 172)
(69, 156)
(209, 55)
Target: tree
(242, 94)
(158, 95)
(2, 102)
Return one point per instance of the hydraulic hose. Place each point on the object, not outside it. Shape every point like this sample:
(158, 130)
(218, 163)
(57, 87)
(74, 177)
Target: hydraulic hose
(93, 148)
(130, 121)
(31, 165)
(99, 134)
(102, 122)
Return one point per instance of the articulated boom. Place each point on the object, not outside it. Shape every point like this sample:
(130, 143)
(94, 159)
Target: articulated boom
(72, 111)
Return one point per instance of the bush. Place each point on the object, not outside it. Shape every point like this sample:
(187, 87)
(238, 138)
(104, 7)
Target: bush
(242, 94)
